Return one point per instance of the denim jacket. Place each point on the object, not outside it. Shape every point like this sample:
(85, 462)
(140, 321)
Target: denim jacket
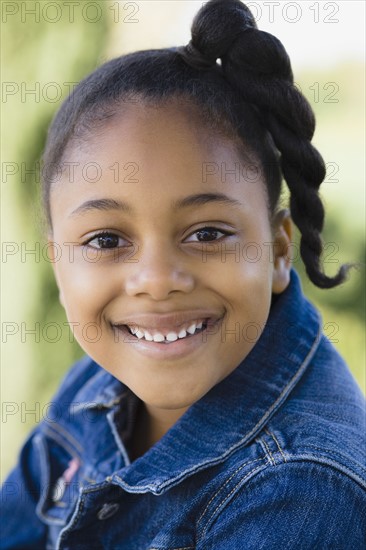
(272, 457)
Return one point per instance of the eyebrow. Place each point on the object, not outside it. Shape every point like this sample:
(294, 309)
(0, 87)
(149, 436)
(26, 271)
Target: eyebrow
(101, 204)
(192, 200)
(204, 198)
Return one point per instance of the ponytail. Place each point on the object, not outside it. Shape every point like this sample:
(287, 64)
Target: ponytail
(257, 66)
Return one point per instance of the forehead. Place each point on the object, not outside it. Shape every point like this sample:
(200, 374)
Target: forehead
(148, 129)
(156, 150)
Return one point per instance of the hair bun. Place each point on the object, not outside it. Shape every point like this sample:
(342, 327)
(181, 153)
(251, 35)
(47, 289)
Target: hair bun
(217, 25)
(261, 53)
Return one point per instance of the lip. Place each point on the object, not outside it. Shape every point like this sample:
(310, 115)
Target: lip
(164, 322)
(173, 350)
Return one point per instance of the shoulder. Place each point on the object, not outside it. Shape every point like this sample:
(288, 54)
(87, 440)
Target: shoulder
(324, 417)
(300, 504)
(302, 482)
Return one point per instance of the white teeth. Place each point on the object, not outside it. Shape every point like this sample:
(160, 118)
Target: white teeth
(158, 337)
(172, 337)
(192, 329)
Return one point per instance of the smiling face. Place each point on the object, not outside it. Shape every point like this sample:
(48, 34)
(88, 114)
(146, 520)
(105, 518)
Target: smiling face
(161, 235)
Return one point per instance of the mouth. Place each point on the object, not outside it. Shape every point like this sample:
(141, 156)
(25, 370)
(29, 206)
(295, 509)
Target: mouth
(167, 335)
(177, 332)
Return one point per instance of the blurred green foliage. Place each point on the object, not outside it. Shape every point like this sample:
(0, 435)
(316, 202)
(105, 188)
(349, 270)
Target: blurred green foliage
(337, 97)
(65, 53)
(35, 54)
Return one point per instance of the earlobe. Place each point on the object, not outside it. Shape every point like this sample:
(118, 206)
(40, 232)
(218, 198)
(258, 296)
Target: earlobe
(282, 261)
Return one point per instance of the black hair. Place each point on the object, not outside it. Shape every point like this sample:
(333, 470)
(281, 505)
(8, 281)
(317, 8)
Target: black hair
(249, 96)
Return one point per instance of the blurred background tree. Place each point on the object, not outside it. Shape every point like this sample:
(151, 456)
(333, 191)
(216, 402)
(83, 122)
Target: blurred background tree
(43, 56)
(47, 47)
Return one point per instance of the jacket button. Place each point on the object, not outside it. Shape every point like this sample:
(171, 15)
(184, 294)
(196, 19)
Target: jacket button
(108, 510)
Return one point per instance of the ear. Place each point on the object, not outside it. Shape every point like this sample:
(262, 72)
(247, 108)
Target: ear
(54, 256)
(282, 230)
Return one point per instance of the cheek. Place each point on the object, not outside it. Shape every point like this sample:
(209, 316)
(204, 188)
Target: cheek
(245, 282)
(86, 289)
(243, 271)
(258, 293)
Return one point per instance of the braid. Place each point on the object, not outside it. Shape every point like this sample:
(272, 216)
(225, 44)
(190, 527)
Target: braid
(256, 64)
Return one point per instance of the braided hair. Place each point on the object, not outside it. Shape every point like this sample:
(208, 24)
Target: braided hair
(250, 97)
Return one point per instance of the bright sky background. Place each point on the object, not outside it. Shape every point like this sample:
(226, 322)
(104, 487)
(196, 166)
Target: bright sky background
(315, 34)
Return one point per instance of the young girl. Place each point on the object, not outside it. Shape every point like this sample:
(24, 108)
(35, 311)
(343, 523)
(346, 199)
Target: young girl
(210, 411)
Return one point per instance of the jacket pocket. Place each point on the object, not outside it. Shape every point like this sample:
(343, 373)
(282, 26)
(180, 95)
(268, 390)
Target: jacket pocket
(61, 481)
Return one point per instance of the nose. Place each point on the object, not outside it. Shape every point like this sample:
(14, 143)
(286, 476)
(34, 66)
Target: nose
(158, 275)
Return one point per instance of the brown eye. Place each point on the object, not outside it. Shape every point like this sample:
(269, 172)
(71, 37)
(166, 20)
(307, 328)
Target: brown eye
(106, 241)
(206, 234)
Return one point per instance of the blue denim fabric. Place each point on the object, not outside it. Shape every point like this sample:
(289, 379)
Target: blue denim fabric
(272, 457)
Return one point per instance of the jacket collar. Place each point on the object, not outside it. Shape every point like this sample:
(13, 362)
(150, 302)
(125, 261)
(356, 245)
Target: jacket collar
(234, 411)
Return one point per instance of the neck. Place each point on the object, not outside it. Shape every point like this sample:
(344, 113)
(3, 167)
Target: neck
(151, 424)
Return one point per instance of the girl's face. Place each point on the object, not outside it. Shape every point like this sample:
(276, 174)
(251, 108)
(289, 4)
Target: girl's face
(158, 229)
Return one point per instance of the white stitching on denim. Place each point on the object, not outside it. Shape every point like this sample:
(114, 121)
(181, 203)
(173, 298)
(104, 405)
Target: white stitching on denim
(226, 482)
(45, 481)
(315, 458)
(227, 496)
(272, 460)
(265, 449)
(117, 439)
(276, 441)
(310, 447)
(186, 473)
(66, 435)
(43, 498)
(328, 451)
(291, 383)
(64, 444)
(72, 523)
